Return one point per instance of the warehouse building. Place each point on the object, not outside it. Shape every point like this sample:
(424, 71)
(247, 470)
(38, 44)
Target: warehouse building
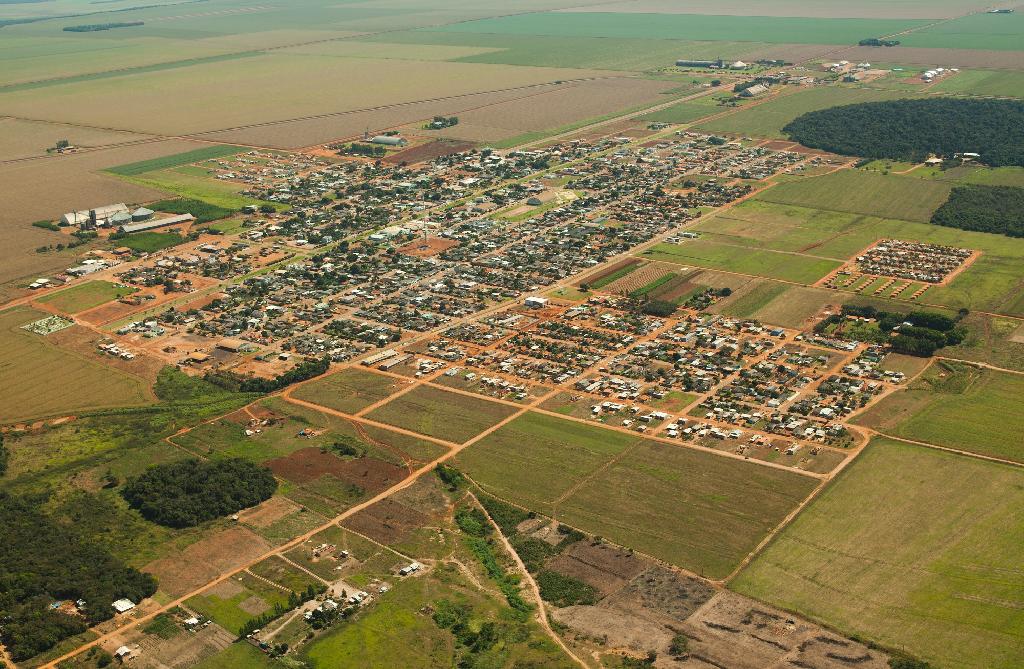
(389, 140)
(92, 218)
(158, 223)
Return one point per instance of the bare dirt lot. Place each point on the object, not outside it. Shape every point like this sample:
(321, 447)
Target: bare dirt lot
(424, 248)
(429, 151)
(309, 464)
(187, 569)
(602, 566)
(387, 522)
(268, 512)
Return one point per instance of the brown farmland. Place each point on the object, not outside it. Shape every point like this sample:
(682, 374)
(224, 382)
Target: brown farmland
(309, 464)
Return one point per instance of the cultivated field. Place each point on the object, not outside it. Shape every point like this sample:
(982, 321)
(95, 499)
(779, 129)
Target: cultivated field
(744, 260)
(958, 406)
(438, 413)
(34, 369)
(910, 547)
(898, 9)
(693, 509)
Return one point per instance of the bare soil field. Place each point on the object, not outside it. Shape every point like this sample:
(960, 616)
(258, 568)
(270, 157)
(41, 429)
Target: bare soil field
(424, 248)
(603, 566)
(429, 151)
(387, 522)
(181, 650)
(909, 55)
(21, 138)
(269, 512)
(231, 93)
(309, 464)
(185, 570)
(902, 9)
(84, 341)
(664, 592)
(555, 108)
(608, 271)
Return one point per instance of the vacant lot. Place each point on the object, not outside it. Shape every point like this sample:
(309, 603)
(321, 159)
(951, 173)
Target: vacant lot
(713, 255)
(959, 406)
(34, 369)
(440, 414)
(863, 192)
(931, 564)
(349, 390)
(700, 511)
(86, 296)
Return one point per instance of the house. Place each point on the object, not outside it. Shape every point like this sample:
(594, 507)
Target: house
(123, 605)
(536, 302)
(124, 654)
(389, 140)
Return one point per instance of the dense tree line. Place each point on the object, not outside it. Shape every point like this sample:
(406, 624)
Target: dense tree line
(4, 456)
(187, 493)
(918, 333)
(911, 130)
(306, 369)
(42, 562)
(996, 209)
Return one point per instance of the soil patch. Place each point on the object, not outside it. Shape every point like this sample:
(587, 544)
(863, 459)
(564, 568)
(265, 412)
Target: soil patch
(309, 464)
(429, 151)
(424, 248)
(268, 512)
(185, 570)
(387, 522)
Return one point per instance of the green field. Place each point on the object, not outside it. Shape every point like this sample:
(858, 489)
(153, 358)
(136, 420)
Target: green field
(1005, 83)
(86, 295)
(771, 264)
(149, 242)
(991, 340)
(749, 302)
(349, 390)
(699, 511)
(863, 192)
(911, 547)
(237, 601)
(239, 655)
(441, 414)
(176, 160)
(958, 406)
(768, 119)
(687, 27)
(684, 112)
(1001, 32)
(35, 368)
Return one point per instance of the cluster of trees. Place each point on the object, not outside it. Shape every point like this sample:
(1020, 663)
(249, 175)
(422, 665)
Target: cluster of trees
(5, 456)
(875, 41)
(306, 369)
(474, 639)
(478, 537)
(911, 130)
(190, 492)
(439, 122)
(97, 27)
(346, 446)
(43, 561)
(203, 211)
(918, 333)
(562, 590)
(371, 150)
(996, 209)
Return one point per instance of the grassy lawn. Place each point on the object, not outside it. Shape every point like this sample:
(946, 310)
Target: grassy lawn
(910, 547)
(771, 264)
(684, 112)
(237, 601)
(955, 405)
(86, 296)
(440, 414)
(349, 390)
(984, 82)
(746, 303)
(34, 368)
(699, 511)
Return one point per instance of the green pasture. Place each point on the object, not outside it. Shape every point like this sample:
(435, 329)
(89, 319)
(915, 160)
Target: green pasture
(744, 260)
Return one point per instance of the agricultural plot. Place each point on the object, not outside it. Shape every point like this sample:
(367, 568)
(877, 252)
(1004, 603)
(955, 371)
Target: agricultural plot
(176, 160)
(862, 192)
(931, 564)
(34, 367)
(897, 9)
(959, 406)
(991, 340)
(441, 414)
(684, 112)
(85, 296)
(999, 32)
(984, 82)
(233, 603)
(24, 139)
(348, 391)
(771, 264)
(779, 30)
(768, 118)
(693, 509)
